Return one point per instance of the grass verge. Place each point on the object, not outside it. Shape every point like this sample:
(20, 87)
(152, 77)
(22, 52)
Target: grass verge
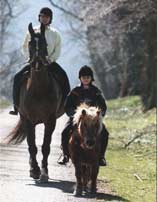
(131, 153)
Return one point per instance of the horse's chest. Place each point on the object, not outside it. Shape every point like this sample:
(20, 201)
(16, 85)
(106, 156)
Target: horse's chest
(38, 110)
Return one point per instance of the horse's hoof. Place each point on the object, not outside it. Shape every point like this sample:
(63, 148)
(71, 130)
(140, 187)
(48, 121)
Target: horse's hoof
(44, 178)
(35, 174)
(93, 191)
(78, 192)
(44, 175)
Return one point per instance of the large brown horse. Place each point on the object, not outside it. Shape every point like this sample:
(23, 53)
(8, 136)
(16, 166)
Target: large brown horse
(41, 101)
(84, 147)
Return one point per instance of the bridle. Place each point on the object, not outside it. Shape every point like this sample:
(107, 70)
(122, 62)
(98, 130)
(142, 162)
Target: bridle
(36, 58)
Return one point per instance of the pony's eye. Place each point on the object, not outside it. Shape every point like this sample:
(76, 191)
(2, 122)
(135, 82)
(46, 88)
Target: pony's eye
(97, 125)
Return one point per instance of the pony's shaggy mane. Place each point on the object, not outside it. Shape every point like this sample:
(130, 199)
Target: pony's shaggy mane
(91, 111)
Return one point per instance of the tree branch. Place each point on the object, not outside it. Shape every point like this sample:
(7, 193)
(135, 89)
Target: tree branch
(10, 9)
(66, 11)
(144, 132)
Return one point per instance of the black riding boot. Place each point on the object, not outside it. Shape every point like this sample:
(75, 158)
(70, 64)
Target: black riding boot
(16, 94)
(15, 111)
(16, 89)
(104, 143)
(65, 141)
(63, 160)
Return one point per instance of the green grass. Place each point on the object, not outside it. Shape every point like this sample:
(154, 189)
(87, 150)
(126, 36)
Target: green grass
(4, 103)
(131, 170)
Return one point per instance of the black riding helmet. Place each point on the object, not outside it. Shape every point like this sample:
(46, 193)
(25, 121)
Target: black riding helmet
(86, 71)
(46, 11)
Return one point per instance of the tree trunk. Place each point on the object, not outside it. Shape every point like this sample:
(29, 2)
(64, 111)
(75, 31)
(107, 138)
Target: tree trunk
(149, 70)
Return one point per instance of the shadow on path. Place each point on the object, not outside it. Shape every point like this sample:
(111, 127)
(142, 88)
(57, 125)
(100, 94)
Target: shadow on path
(65, 186)
(68, 187)
(110, 197)
(104, 197)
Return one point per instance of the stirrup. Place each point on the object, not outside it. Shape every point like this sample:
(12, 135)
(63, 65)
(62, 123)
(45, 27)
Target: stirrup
(102, 162)
(64, 160)
(13, 112)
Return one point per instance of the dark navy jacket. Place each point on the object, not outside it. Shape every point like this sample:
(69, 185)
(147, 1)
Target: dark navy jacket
(91, 96)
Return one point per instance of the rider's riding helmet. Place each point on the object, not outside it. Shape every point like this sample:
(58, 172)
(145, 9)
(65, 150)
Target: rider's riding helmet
(46, 11)
(86, 71)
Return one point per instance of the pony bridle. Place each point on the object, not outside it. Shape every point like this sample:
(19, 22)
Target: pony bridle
(84, 144)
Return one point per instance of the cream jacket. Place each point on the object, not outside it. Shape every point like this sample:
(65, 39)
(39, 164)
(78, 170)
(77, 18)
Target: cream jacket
(53, 40)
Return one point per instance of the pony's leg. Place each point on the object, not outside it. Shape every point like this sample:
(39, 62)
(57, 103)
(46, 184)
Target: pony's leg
(49, 128)
(34, 168)
(85, 173)
(94, 174)
(78, 174)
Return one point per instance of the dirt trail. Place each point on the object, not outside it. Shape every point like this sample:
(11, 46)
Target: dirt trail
(15, 183)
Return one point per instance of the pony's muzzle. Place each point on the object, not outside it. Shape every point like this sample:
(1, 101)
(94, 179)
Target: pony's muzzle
(90, 143)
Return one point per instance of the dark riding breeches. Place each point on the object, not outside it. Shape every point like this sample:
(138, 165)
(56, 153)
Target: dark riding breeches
(17, 84)
(54, 68)
(61, 77)
(66, 134)
(104, 140)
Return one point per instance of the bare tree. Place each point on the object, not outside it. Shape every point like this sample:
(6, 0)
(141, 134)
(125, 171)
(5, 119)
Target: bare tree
(8, 58)
(117, 35)
(6, 15)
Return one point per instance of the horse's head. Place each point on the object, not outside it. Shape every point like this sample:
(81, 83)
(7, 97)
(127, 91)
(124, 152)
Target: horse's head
(89, 122)
(37, 47)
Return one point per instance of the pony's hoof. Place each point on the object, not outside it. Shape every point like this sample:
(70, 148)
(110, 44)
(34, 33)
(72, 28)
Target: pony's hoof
(78, 192)
(93, 191)
(85, 189)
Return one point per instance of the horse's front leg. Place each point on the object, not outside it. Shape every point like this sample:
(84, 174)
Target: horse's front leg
(49, 128)
(34, 168)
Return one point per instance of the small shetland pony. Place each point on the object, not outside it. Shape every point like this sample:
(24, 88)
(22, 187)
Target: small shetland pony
(84, 147)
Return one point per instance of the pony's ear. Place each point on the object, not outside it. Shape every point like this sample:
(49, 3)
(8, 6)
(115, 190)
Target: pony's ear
(31, 30)
(42, 29)
(98, 113)
(83, 112)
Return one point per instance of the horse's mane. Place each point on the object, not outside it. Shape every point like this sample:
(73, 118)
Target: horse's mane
(91, 111)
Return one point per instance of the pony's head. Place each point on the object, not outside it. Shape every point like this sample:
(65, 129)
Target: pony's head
(37, 47)
(89, 122)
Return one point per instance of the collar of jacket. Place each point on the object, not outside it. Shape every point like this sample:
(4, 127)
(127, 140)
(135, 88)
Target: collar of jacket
(90, 85)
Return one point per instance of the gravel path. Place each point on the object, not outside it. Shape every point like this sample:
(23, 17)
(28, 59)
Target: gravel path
(15, 183)
(17, 186)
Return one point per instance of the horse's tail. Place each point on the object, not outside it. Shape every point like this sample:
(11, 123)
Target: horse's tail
(17, 135)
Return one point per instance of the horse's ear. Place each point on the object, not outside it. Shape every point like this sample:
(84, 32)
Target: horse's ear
(31, 30)
(42, 29)
(83, 112)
